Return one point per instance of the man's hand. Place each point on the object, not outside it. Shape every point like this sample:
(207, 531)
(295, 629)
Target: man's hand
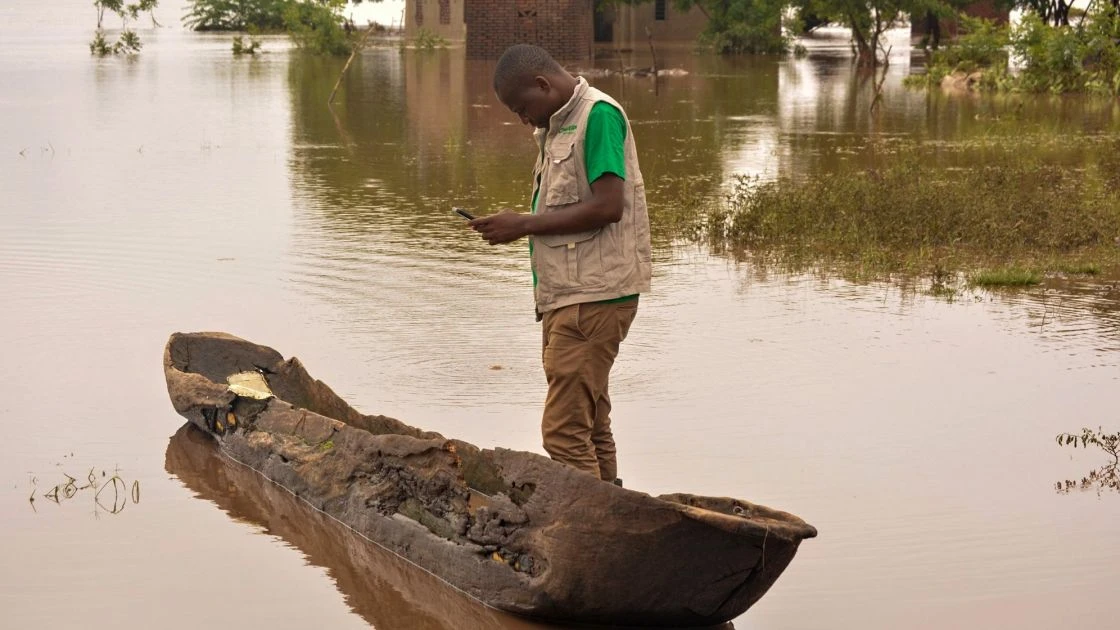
(504, 227)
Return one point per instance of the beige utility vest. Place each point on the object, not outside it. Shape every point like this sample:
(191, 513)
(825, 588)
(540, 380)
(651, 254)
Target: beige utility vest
(601, 264)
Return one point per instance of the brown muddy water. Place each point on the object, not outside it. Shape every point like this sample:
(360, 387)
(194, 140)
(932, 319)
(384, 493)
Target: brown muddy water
(190, 190)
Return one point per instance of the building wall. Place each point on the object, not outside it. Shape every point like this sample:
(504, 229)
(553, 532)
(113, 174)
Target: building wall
(439, 17)
(562, 27)
(631, 23)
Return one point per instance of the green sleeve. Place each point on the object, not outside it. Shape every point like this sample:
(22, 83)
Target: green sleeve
(604, 142)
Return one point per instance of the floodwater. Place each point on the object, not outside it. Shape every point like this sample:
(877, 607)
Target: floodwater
(190, 190)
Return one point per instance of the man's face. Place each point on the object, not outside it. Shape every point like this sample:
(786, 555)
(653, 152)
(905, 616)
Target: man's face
(533, 100)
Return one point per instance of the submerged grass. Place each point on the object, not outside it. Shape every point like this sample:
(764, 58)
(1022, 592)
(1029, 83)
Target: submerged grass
(1008, 212)
(1009, 277)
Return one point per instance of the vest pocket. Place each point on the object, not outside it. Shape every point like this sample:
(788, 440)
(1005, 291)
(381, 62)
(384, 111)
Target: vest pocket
(567, 263)
(563, 182)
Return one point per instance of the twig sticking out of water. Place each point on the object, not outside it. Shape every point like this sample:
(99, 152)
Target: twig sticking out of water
(353, 53)
(121, 491)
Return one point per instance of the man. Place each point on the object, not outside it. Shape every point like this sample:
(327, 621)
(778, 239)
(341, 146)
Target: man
(589, 244)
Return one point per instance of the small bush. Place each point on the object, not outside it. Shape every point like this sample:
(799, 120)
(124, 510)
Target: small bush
(427, 40)
(100, 47)
(240, 47)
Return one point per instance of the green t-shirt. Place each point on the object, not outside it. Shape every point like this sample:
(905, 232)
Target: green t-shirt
(604, 151)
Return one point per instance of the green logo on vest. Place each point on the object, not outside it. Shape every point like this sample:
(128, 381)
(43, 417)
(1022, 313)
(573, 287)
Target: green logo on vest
(568, 129)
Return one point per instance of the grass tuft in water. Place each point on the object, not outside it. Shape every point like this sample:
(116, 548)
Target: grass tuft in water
(1010, 277)
(1078, 268)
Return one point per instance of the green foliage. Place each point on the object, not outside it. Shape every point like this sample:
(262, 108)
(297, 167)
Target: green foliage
(741, 26)
(735, 26)
(1061, 59)
(128, 42)
(1005, 277)
(1056, 12)
(981, 46)
(100, 46)
(427, 40)
(314, 25)
(240, 47)
(317, 26)
(236, 15)
(1055, 59)
(868, 20)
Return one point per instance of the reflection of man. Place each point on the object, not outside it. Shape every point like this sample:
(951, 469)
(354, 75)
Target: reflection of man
(588, 241)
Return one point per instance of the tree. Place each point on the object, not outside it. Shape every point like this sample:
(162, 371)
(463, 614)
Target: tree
(741, 26)
(734, 26)
(262, 15)
(128, 42)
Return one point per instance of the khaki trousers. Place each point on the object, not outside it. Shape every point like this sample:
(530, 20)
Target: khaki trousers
(580, 344)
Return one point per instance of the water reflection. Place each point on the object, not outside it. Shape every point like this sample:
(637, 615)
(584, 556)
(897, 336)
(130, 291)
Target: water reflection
(1071, 309)
(385, 590)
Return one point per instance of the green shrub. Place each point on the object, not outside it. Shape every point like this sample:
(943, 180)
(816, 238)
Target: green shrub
(1055, 59)
(746, 28)
(427, 40)
(240, 47)
(316, 25)
(1070, 59)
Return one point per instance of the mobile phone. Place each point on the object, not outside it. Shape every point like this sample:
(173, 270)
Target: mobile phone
(463, 213)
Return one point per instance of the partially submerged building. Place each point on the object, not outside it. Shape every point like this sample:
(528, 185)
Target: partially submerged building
(570, 29)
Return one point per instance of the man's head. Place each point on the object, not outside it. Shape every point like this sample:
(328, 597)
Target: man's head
(532, 84)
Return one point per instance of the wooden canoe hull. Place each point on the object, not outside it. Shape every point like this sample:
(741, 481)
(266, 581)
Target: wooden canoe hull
(514, 530)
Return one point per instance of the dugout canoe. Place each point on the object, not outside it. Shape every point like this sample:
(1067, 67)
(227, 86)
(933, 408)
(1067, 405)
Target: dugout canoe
(513, 530)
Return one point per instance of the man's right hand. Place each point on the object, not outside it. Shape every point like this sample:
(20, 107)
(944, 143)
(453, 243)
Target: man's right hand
(504, 227)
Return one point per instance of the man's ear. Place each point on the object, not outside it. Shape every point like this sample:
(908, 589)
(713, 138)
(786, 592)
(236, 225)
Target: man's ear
(543, 83)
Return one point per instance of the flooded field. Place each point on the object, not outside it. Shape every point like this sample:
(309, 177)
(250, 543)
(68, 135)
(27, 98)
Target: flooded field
(190, 190)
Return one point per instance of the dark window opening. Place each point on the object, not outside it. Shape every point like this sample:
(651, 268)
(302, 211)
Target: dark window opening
(659, 10)
(444, 11)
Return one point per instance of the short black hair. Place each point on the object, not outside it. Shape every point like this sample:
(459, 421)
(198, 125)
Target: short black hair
(521, 61)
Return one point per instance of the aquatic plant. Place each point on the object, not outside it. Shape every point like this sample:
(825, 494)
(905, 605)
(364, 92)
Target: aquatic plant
(1005, 277)
(427, 40)
(1107, 477)
(109, 494)
(241, 47)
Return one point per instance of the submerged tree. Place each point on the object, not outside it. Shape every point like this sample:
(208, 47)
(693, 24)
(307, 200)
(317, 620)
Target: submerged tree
(316, 25)
(128, 42)
(734, 26)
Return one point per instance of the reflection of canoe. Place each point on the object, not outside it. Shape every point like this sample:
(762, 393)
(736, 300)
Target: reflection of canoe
(381, 587)
(514, 530)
